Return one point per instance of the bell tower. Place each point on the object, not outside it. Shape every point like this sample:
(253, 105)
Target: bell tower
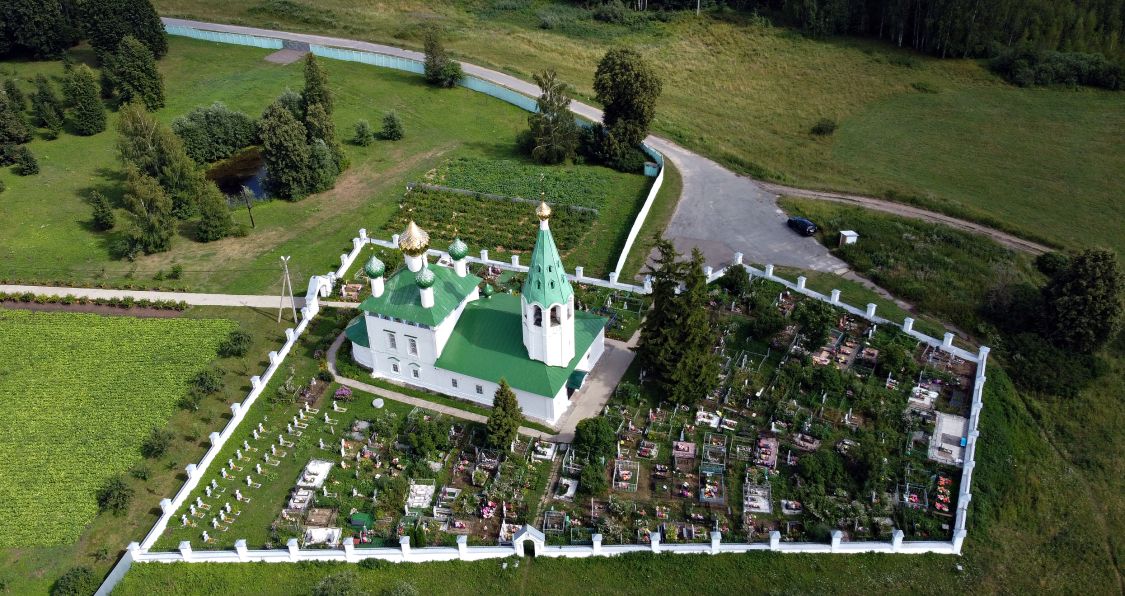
(547, 301)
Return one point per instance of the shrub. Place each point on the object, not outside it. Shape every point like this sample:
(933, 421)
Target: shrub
(1051, 263)
(612, 12)
(392, 127)
(236, 344)
(207, 381)
(214, 132)
(140, 473)
(77, 581)
(364, 135)
(924, 87)
(439, 69)
(26, 164)
(190, 401)
(325, 376)
(344, 583)
(157, 442)
(593, 482)
(115, 495)
(176, 272)
(824, 127)
(104, 219)
(1026, 66)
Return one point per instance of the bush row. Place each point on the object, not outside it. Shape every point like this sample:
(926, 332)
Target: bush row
(122, 302)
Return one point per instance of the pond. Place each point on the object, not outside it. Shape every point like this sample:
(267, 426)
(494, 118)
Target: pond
(244, 168)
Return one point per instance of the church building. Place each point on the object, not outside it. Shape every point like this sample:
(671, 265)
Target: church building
(437, 328)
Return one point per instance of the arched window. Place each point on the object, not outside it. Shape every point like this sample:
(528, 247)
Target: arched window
(538, 316)
(556, 312)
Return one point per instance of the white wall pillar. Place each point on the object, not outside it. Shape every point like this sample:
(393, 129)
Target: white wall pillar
(896, 540)
(235, 409)
(947, 341)
(870, 310)
(708, 271)
(273, 357)
(801, 282)
(463, 547)
(775, 540)
(349, 549)
(613, 277)
(958, 540)
(597, 539)
(648, 283)
(737, 258)
(908, 324)
(214, 437)
(716, 540)
(363, 233)
(185, 550)
(255, 381)
(240, 548)
(515, 260)
(343, 259)
(769, 270)
(165, 505)
(835, 297)
(190, 469)
(394, 239)
(578, 271)
(290, 334)
(306, 313)
(356, 243)
(293, 547)
(654, 538)
(404, 544)
(837, 537)
(484, 254)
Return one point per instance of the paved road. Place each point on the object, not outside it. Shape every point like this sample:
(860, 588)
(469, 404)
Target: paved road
(194, 299)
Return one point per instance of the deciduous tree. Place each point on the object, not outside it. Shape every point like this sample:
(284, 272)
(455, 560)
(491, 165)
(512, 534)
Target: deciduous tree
(439, 69)
(1082, 304)
(214, 132)
(131, 73)
(596, 438)
(215, 221)
(39, 28)
(107, 22)
(152, 224)
(628, 87)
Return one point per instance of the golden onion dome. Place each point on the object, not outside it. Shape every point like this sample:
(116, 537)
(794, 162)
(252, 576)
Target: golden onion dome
(544, 211)
(414, 240)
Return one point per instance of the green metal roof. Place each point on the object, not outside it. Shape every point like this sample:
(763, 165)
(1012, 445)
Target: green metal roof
(402, 300)
(575, 379)
(356, 331)
(546, 282)
(487, 343)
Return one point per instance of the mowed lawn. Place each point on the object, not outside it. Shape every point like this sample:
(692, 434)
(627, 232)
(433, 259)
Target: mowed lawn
(78, 395)
(1043, 162)
(45, 234)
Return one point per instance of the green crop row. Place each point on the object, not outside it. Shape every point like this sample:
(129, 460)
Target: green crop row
(78, 394)
(119, 302)
(585, 186)
(491, 224)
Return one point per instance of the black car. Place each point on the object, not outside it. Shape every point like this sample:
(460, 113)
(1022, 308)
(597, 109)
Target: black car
(802, 226)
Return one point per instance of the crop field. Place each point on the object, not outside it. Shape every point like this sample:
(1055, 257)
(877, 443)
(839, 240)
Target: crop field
(565, 185)
(78, 394)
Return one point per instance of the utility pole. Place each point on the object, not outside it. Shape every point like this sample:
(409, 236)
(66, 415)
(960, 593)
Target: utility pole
(286, 283)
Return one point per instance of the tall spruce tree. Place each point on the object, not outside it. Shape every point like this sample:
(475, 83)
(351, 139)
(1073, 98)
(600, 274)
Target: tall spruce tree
(15, 94)
(87, 110)
(316, 85)
(657, 348)
(696, 371)
(439, 69)
(131, 73)
(286, 153)
(320, 127)
(107, 22)
(552, 126)
(152, 224)
(505, 419)
(104, 219)
(13, 127)
(48, 106)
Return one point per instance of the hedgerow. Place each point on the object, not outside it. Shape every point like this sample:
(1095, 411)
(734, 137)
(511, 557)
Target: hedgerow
(79, 394)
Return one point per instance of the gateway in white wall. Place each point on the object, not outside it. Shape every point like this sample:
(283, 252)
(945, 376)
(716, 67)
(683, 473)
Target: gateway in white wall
(436, 328)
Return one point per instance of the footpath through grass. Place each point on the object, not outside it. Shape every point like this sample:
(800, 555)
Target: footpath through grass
(946, 134)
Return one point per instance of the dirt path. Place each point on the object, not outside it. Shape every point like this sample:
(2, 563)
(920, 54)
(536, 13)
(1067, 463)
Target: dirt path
(1004, 238)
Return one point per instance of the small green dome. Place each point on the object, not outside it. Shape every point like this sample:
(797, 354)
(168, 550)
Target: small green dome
(458, 250)
(425, 278)
(489, 290)
(374, 267)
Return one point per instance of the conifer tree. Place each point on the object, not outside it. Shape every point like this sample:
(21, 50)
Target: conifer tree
(104, 219)
(696, 371)
(48, 106)
(1082, 304)
(87, 111)
(656, 349)
(364, 136)
(285, 151)
(322, 167)
(320, 127)
(552, 126)
(26, 164)
(215, 220)
(15, 95)
(152, 224)
(316, 85)
(439, 69)
(505, 419)
(392, 127)
(107, 22)
(131, 73)
(13, 127)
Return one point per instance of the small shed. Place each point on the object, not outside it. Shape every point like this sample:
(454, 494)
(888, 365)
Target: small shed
(848, 237)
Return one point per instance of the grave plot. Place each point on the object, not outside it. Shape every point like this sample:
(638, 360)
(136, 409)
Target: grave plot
(626, 474)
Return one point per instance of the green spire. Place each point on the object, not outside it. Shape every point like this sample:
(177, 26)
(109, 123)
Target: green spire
(546, 282)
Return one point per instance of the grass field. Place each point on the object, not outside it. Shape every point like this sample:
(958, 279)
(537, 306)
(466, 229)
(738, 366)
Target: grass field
(1040, 161)
(29, 569)
(47, 234)
(940, 270)
(79, 395)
